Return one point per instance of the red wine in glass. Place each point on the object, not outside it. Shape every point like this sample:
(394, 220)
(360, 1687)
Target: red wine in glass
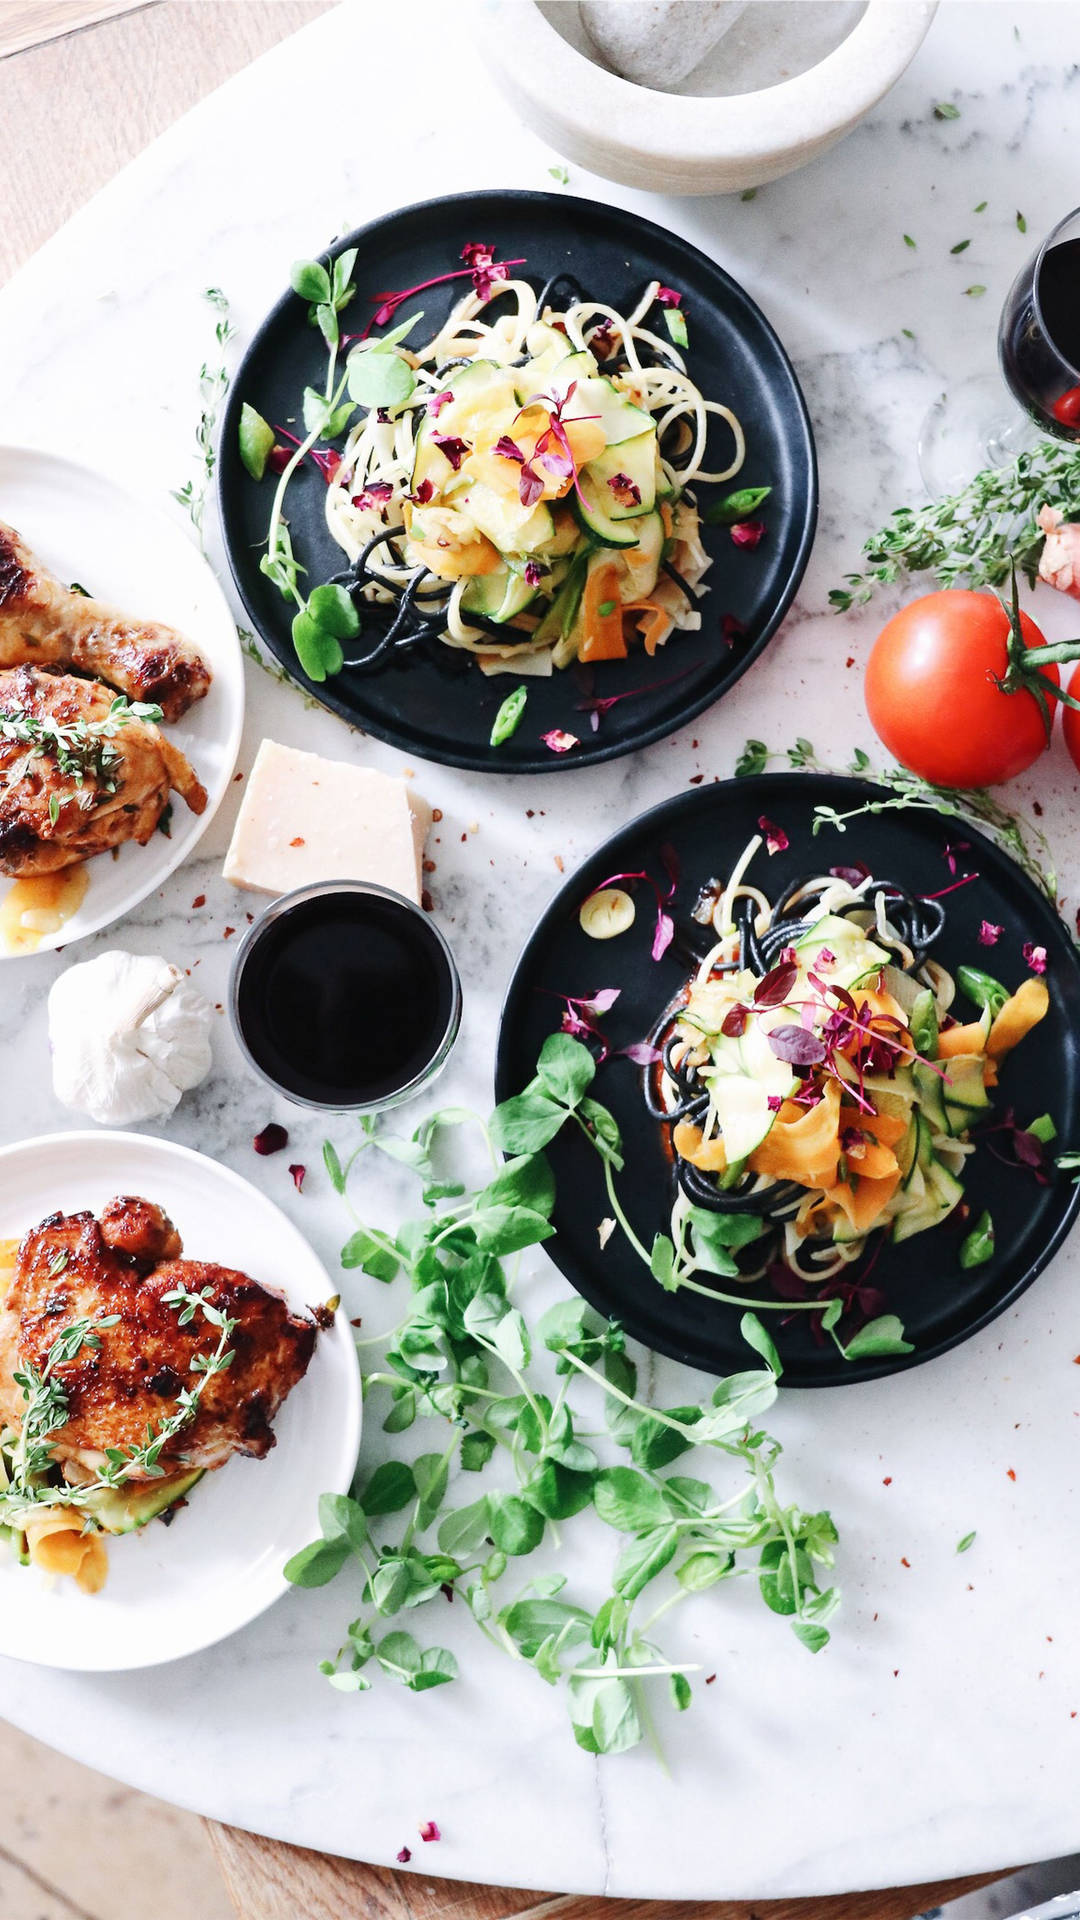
(1039, 337)
(971, 426)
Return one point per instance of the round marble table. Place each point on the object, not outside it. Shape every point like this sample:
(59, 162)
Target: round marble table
(938, 1734)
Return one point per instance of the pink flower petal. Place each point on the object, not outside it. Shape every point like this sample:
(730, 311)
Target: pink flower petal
(989, 934)
(1035, 957)
(298, 1173)
(430, 1830)
(271, 1140)
(559, 741)
(748, 533)
(776, 839)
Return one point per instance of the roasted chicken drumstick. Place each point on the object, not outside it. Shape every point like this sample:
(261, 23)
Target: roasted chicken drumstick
(43, 623)
(127, 1264)
(79, 773)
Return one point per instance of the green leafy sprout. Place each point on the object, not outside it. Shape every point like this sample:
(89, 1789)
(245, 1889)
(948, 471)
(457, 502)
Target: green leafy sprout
(545, 1419)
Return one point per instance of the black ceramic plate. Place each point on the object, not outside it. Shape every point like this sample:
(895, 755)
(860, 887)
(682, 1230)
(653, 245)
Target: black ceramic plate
(441, 708)
(939, 1303)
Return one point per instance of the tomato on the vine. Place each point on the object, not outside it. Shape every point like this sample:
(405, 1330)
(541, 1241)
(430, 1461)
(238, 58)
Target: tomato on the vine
(1070, 720)
(934, 696)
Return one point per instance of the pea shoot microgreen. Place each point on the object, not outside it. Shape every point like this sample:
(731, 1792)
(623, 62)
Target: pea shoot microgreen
(376, 376)
(503, 1388)
(213, 387)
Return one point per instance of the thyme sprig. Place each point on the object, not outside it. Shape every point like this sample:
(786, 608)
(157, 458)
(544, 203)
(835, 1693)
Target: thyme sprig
(46, 1406)
(121, 1461)
(213, 387)
(28, 1458)
(973, 537)
(84, 750)
(1020, 837)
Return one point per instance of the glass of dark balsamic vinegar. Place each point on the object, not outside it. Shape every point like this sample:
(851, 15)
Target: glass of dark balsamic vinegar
(345, 996)
(1039, 350)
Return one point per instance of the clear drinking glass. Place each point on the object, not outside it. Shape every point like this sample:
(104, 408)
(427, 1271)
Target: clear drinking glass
(972, 425)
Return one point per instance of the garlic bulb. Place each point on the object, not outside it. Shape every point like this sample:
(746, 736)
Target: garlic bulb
(129, 1035)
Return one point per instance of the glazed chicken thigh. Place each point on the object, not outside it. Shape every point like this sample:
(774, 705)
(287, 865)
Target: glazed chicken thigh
(66, 794)
(125, 1264)
(44, 624)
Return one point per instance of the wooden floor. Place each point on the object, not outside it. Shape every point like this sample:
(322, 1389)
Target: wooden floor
(74, 1846)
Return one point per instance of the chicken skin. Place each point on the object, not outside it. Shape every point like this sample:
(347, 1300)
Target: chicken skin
(69, 794)
(118, 1394)
(44, 624)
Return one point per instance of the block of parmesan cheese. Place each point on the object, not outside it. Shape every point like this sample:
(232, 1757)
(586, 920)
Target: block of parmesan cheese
(306, 819)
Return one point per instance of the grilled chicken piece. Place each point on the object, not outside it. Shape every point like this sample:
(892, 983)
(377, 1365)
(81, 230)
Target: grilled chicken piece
(74, 1265)
(43, 624)
(49, 818)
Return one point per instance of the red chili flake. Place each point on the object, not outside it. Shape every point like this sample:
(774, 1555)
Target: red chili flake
(508, 449)
(776, 839)
(559, 741)
(903, 1562)
(228, 933)
(357, 1322)
(430, 1830)
(404, 1855)
(989, 934)
(199, 901)
(887, 1482)
(299, 841)
(298, 1173)
(696, 779)
(452, 446)
(272, 1138)
(667, 297)
(421, 494)
(748, 533)
(850, 661)
(1010, 1473)
(710, 1677)
(438, 401)
(1034, 957)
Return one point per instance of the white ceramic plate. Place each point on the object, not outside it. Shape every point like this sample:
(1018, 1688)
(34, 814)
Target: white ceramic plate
(172, 1590)
(86, 528)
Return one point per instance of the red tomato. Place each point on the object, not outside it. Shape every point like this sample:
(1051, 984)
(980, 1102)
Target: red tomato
(1070, 719)
(931, 696)
(1066, 407)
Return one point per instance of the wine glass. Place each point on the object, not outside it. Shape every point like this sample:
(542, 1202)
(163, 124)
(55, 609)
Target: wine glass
(970, 427)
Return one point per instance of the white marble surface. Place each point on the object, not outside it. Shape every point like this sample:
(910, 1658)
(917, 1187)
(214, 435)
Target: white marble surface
(936, 1735)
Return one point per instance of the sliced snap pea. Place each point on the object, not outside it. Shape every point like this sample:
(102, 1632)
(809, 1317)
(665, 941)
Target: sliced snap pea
(923, 1025)
(508, 718)
(978, 1247)
(982, 989)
